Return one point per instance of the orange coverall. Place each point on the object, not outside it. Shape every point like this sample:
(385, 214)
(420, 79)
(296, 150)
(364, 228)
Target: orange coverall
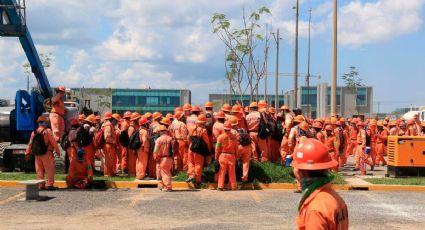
(165, 161)
(352, 143)
(142, 154)
(122, 156)
(253, 123)
(80, 174)
(196, 160)
(57, 122)
(226, 149)
(46, 162)
(245, 154)
(179, 132)
(131, 154)
(109, 149)
(380, 146)
(323, 209)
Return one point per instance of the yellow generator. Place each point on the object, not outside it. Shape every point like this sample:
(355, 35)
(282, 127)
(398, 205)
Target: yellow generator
(406, 156)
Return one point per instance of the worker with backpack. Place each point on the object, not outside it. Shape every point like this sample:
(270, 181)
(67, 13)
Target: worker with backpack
(245, 147)
(42, 144)
(85, 134)
(139, 142)
(131, 153)
(109, 143)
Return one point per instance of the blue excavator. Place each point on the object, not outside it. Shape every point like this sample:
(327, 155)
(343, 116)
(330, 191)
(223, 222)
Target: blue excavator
(28, 105)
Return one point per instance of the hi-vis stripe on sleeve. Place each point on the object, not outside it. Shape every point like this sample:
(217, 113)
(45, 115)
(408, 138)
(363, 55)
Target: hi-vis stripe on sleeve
(156, 150)
(218, 145)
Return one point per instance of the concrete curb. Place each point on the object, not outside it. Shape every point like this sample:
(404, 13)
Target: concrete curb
(259, 186)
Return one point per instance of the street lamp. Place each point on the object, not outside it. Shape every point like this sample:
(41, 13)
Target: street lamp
(276, 96)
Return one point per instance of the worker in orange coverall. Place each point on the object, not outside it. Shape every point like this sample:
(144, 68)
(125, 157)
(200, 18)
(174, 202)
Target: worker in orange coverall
(162, 154)
(57, 114)
(109, 149)
(196, 159)
(226, 150)
(320, 206)
(143, 151)
(42, 144)
(179, 133)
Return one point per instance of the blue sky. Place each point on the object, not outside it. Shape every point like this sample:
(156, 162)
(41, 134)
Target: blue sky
(170, 44)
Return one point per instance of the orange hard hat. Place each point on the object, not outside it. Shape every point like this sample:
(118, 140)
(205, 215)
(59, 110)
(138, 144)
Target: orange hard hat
(262, 103)
(126, 115)
(334, 120)
(143, 120)
(342, 119)
(169, 116)
(61, 88)
(272, 110)
(226, 108)
(236, 108)
(227, 125)
(187, 107)
(312, 155)
(201, 119)
(42, 119)
(116, 116)
(148, 115)
(299, 118)
(380, 123)
(178, 115)
(135, 116)
(162, 128)
(329, 128)
(220, 114)
(106, 116)
(91, 118)
(392, 123)
(209, 105)
(285, 107)
(234, 120)
(253, 105)
(74, 122)
(178, 109)
(196, 108)
(165, 121)
(304, 126)
(156, 115)
(82, 117)
(360, 123)
(317, 124)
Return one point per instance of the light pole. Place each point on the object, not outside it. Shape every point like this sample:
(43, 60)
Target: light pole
(265, 71)
(308, 67)
(296, 56)
(334, 58)
(276, 95)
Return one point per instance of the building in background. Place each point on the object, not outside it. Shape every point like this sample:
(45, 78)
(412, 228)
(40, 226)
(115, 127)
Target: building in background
(315, 101)
(100, 100)
(220, 99)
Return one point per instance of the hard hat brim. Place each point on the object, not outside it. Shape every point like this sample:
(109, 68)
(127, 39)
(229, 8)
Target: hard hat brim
(314, 166)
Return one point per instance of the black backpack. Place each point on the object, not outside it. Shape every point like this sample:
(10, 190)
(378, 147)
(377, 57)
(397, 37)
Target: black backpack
(83, 137)
(263, 129)
(134, 142)
(65, 143)
(244, 137)
(124, 138)
(278, 132)
(152, 139)
(39, 147)
(199, 146)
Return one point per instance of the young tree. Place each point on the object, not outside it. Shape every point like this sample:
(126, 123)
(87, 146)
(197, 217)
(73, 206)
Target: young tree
(46, 60)
(352, 79)
(243, 67)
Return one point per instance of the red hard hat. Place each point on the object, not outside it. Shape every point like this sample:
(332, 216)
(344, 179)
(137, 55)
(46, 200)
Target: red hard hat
(304, 126)
(312, 154)
(82, 117)
(143, 120)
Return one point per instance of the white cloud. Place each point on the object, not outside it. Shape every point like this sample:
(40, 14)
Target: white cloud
(371, 22)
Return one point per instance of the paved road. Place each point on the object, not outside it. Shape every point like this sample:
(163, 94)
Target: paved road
(206, 209)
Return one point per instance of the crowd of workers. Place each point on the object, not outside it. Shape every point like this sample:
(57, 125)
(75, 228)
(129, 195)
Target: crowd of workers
(153, 146)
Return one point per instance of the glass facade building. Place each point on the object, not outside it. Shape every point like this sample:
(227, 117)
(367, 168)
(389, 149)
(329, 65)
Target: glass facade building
(140, 100)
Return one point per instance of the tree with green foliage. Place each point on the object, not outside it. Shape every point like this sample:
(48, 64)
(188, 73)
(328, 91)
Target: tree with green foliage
(244, 66)
(46, 60)
(352, 79)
